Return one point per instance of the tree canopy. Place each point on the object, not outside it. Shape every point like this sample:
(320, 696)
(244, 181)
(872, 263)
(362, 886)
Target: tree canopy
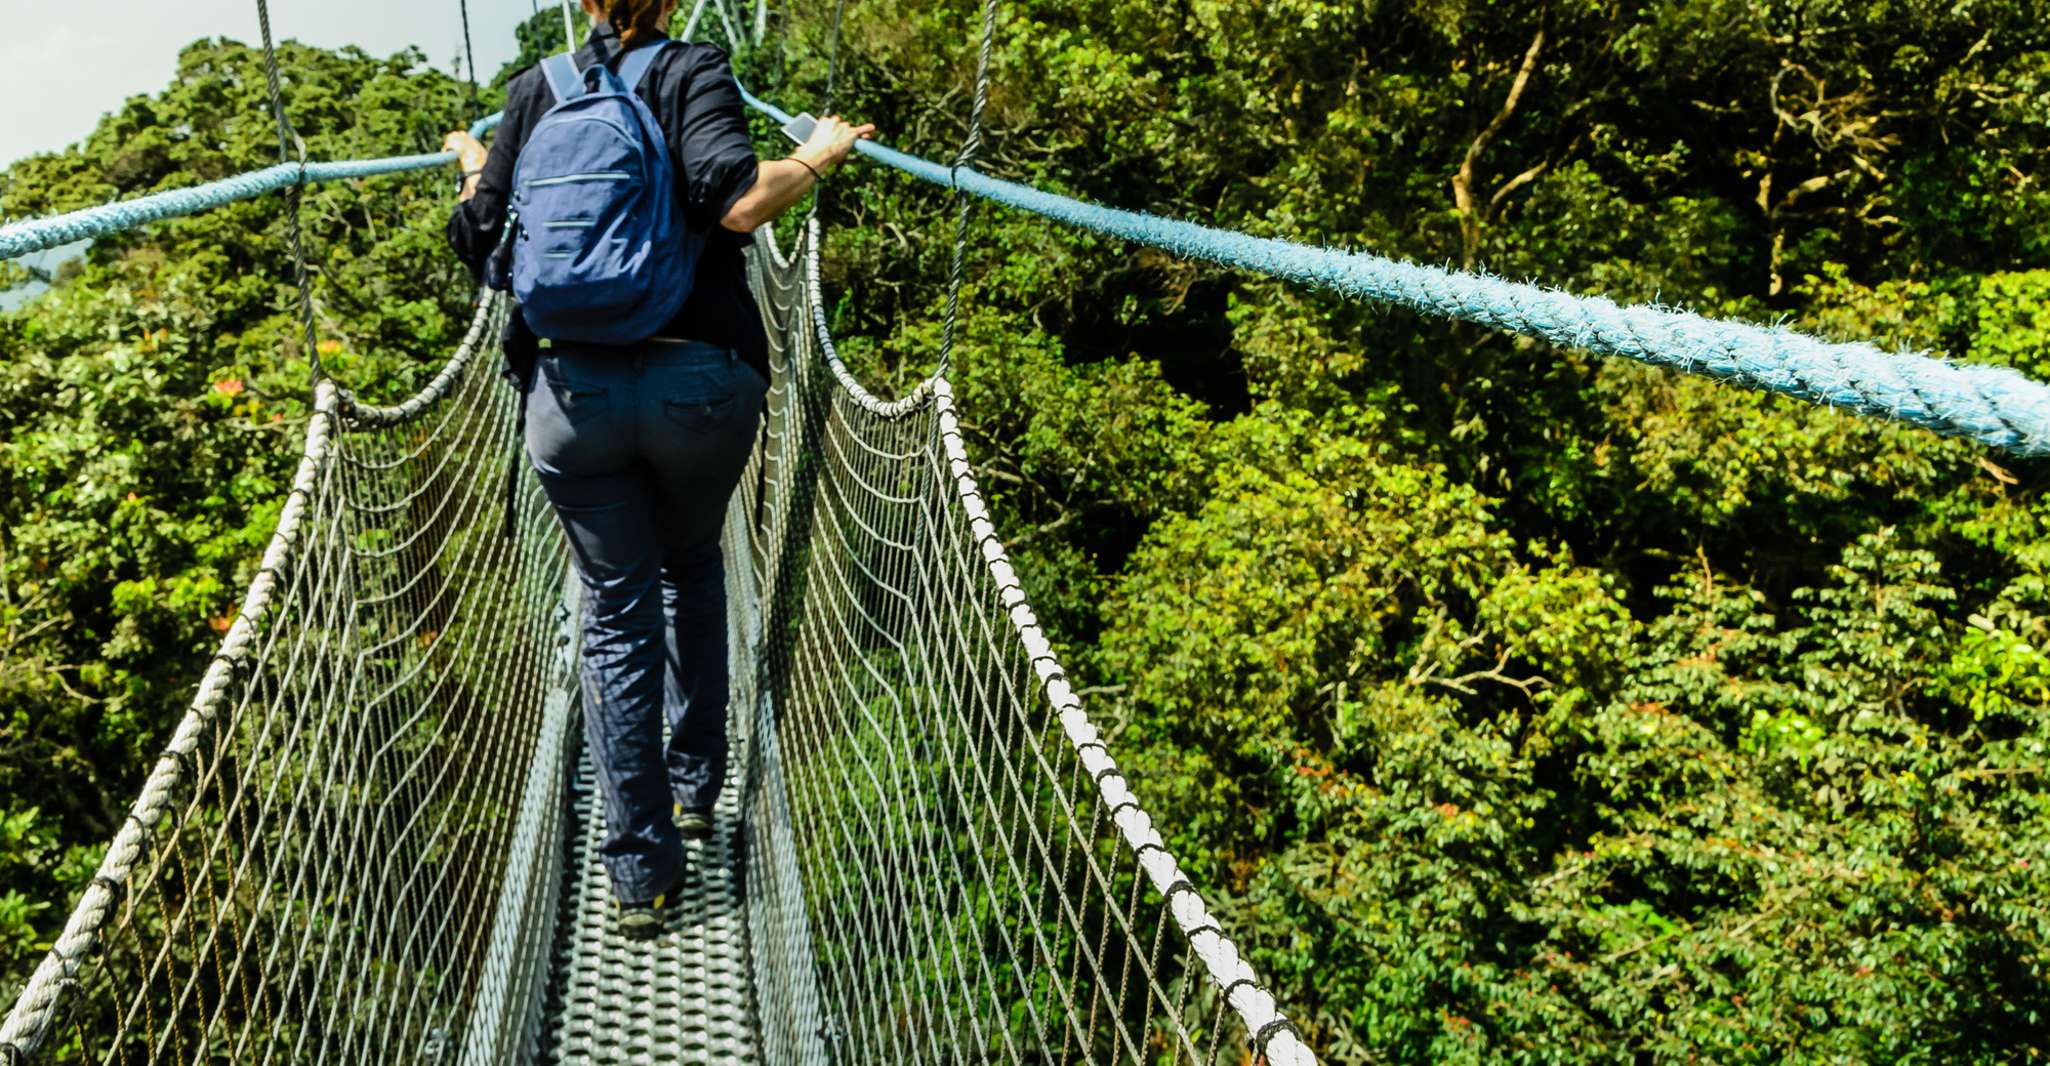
(1511, 704)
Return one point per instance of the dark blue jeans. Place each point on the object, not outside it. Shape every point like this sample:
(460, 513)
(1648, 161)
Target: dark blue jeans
(638, 449)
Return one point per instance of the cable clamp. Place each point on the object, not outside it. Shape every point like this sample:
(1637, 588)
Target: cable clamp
(1259, 1040)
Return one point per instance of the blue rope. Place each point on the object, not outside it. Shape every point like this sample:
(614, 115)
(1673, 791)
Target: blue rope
(36, 234)
(1993, 405)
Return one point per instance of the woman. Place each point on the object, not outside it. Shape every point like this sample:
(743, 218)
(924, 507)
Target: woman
(639, 446)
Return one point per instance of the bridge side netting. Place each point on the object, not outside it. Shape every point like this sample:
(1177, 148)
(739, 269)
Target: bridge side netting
(947, 865)
(336, 859)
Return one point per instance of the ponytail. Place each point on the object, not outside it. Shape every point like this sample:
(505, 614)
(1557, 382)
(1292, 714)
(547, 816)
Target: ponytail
(636, 20)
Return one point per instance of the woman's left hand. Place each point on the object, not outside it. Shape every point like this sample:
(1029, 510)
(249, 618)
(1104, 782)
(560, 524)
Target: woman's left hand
(470, 153)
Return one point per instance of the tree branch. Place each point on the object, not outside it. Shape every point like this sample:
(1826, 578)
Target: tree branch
(1517, 182)
(1462, 182)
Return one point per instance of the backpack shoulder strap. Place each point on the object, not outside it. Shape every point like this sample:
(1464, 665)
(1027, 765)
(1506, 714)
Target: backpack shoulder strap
(561, 71)
(635, 66)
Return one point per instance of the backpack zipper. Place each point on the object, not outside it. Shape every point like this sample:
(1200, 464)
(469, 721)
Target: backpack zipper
(596, 175)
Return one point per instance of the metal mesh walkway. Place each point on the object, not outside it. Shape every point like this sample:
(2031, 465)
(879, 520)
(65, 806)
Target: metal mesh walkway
(683, 997)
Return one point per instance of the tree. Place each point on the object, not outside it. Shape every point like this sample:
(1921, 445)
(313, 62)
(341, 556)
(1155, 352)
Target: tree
(151, 406)
(1520, 706)
(1510, 704)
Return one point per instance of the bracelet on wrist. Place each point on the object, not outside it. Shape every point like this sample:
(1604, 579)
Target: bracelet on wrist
(816, 176)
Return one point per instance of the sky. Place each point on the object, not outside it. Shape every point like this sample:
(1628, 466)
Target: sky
(62, 65)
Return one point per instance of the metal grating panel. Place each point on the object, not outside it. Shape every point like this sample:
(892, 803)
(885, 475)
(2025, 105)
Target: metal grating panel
(683, 997)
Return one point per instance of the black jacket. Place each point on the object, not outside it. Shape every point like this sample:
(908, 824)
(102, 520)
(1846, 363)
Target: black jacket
(691, 90)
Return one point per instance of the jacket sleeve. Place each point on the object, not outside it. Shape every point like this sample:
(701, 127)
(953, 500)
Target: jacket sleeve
(715, 155)
(476, 224)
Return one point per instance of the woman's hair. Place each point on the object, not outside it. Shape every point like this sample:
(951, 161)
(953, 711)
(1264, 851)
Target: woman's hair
(636, 20)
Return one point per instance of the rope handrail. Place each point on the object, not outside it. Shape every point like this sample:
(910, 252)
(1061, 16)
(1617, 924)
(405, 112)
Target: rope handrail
(903, 406)
(1273, 1036)
(29, 1020)
(1243, 991)
(1993, 405)
(36, 234)
(491, 311)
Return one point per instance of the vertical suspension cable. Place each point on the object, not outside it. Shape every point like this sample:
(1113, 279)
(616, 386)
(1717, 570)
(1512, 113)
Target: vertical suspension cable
(969, 146)
(818, 192)
(569, 27)
(288, 139)
(469, 55)
(833, 57)
(733, 36)
(690, 25)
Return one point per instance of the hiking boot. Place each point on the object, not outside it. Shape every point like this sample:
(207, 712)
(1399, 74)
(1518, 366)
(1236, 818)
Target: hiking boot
(694, 823)
(644, 920)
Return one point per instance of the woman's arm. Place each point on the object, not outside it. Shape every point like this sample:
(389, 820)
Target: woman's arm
(476, 224)
(780, 183)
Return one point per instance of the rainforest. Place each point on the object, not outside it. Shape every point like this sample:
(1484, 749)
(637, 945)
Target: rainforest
(1511, 703)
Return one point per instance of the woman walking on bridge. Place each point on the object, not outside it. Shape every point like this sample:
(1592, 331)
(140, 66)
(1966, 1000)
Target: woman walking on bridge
(614, 203)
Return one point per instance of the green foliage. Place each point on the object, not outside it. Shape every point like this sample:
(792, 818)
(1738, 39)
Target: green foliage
(151, 407)
(1515, 705)
(2012, 327)
(1510, 705)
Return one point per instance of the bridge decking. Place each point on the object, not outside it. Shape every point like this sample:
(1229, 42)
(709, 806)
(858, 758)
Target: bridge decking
(684, 997)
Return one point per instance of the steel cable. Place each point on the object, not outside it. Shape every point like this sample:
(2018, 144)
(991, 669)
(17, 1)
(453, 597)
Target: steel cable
(971, 143)
(469, 53)
(288, 140)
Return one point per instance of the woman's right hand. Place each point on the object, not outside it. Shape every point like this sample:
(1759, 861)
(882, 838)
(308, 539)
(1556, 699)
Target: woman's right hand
(830, 141)
(778, 186)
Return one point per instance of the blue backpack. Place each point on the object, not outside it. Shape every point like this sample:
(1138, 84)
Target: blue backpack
(602, 254)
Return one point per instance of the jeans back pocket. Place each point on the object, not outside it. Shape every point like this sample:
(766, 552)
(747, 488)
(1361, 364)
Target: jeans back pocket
(579, 401)
(701, 412)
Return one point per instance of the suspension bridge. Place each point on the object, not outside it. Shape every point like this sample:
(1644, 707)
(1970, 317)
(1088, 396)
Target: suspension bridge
(373, 836)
